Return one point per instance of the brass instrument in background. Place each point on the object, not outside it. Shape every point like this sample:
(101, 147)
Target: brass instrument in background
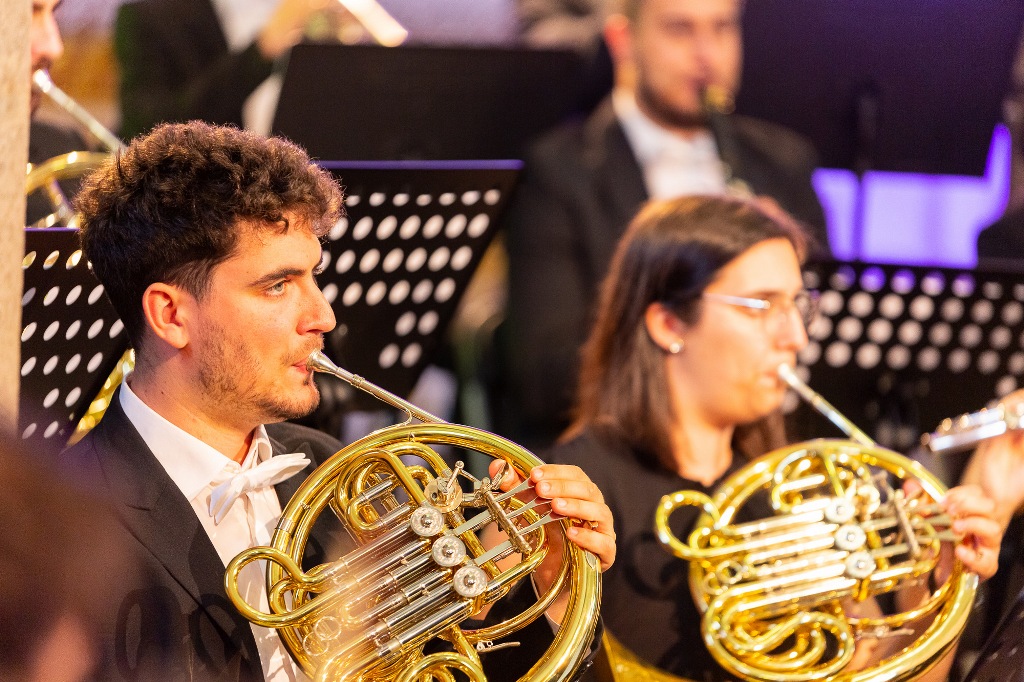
(418, 569)
(44, 176)
(967, 431)
(774, 593)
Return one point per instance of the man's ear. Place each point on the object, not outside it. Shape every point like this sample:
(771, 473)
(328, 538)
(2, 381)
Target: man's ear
(665, 328)
(618, 36)
(166, 309)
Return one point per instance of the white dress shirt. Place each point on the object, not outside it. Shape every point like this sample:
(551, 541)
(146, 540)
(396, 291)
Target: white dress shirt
(672, 165)
(193, 466)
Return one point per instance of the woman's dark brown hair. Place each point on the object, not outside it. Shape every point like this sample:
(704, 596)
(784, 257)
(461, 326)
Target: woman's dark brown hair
(669, 254)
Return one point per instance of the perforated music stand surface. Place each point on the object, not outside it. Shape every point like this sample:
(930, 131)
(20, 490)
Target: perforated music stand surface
(899, 348)
(71, 338)
(939, 71)
(400, 262)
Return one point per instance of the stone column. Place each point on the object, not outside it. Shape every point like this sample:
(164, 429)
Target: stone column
(15, 20)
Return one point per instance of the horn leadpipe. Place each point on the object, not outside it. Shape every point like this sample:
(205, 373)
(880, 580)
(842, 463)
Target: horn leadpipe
(823, 406)
(318, 362)
(45, 85)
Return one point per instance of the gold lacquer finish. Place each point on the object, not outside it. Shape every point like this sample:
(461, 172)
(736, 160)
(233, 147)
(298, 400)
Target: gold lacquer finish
(778, 594)
(416, 568)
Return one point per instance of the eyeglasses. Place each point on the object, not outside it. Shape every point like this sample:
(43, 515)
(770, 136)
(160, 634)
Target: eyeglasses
(774, 311)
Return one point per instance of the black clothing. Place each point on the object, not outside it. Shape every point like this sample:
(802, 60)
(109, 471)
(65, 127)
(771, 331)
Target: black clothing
(178, 623)
(176, 66)
(582, 185)
(646, 600)
(1002, 658)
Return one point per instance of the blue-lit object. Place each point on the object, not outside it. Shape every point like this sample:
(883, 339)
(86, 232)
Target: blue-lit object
(915, 219)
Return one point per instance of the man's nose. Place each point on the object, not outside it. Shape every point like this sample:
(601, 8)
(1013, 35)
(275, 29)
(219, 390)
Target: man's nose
(47, 45)
(321, 316)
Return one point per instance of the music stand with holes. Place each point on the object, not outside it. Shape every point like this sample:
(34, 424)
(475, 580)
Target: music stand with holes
(399, 262)
(899, 348)
(70, 342)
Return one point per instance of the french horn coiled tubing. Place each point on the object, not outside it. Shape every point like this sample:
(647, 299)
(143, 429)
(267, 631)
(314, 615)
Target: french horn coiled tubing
(778, 594)
(417, 570)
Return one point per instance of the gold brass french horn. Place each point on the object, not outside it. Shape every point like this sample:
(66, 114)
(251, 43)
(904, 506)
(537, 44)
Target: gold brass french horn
(775, 592)
(418, 568)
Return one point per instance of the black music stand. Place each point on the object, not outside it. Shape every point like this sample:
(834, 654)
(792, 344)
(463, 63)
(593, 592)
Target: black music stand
(898, 85)
(70, 342)
(400, 262)
(356, 102)
(899, 348)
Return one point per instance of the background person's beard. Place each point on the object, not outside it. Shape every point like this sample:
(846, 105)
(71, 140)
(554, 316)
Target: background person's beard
(664, 113)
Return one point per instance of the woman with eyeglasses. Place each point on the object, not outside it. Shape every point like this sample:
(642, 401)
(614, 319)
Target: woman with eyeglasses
(679, 388)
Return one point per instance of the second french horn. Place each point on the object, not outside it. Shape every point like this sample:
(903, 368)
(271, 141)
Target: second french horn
(778, 594)
(416, 569)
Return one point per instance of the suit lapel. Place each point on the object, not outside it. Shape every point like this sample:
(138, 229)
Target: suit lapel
(618, 184)
(158, 515)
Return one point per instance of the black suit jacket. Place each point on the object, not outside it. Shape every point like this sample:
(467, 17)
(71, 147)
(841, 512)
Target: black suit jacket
(175, 65)
(174, 621)
(582, 185)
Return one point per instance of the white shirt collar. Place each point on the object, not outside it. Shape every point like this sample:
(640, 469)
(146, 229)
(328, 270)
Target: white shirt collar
(651, 141)
(672, 165)
(191, 463)
(242, 20)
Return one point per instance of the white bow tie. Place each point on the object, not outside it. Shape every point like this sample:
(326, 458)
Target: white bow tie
(268, 473)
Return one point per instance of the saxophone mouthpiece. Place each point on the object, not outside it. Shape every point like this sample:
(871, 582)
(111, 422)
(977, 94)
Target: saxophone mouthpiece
(717, 99)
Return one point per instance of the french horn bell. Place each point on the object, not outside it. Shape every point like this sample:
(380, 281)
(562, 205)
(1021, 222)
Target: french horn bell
(778, 594)
(418, 569)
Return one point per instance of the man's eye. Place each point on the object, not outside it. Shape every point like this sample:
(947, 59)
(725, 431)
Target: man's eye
(277, 288)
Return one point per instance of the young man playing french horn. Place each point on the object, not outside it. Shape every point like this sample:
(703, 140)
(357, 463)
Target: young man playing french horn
(207, 241)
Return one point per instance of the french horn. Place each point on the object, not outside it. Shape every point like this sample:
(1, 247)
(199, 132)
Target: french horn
(776, 593)
(418, 568)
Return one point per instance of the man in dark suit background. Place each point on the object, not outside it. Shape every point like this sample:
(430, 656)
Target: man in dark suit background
(201, 59)
(206, 240)
(583, 183)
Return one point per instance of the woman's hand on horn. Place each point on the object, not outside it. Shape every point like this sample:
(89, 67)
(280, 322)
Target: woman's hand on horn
(974, 518)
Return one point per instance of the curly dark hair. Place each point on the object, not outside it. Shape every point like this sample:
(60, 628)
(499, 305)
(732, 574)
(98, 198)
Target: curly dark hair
(169, 207)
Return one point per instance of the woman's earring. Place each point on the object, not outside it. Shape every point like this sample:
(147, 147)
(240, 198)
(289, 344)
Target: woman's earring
(675, 347)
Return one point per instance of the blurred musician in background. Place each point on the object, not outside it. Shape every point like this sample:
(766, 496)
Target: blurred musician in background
(653, 138)
(46, 140)
(58, 559)
(679, 389)
(206, 240)
(202, 59)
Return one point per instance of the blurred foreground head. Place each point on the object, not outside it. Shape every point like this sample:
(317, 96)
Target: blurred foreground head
(57, 559)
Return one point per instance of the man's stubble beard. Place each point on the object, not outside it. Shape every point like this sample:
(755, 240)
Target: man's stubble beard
(222, 377)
